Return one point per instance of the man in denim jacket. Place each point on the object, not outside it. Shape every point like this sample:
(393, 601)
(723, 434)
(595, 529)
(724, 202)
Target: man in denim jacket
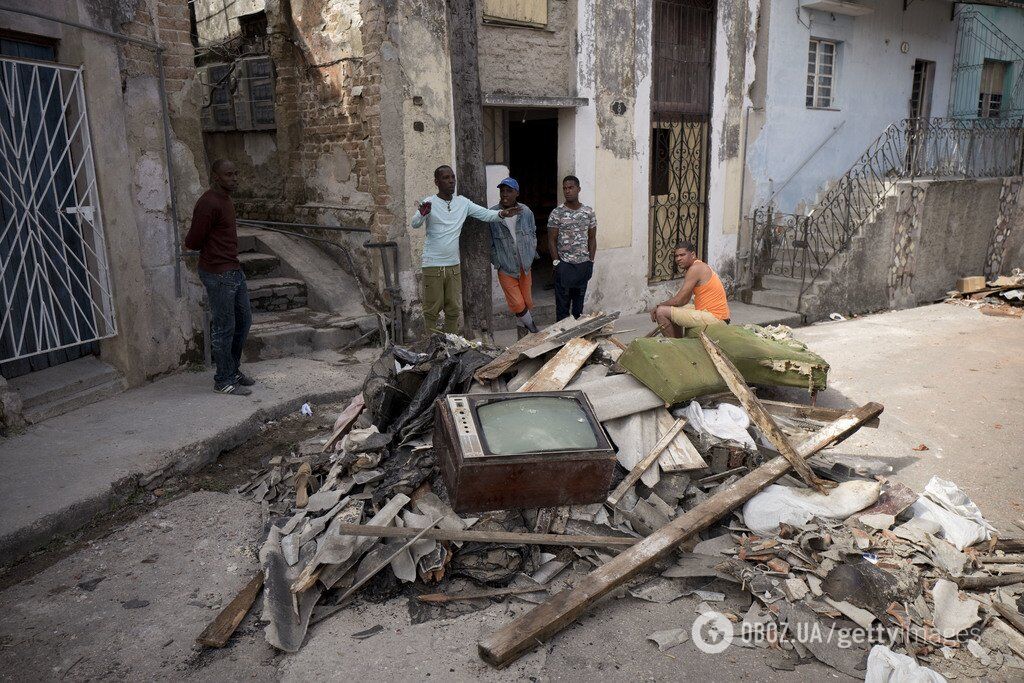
(513, 249)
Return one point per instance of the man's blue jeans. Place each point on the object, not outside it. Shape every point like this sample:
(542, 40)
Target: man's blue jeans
(231, 317)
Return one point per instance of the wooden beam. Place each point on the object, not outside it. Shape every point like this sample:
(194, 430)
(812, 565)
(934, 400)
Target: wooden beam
(758, 415)
(440, 598)
(489, 536)
(1001, 559)
(975, 583)
(219, 631)
(1010, 614)
(560, 370)
(507, 644)
(638, 470)
(680, 455)
(786, 409)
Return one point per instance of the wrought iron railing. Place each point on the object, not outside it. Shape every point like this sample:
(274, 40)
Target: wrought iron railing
(980, 45)
(801, 246)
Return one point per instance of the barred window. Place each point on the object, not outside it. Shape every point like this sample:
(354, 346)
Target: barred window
(821, 63)
(261, 90)
(222, 109)
(993, 82)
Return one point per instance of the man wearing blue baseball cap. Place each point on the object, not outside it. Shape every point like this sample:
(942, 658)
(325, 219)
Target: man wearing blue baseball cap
(513, 250)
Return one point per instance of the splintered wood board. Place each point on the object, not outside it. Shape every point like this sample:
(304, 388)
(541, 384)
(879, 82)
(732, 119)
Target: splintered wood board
(558, 371)
(681, 455)
(220, 629)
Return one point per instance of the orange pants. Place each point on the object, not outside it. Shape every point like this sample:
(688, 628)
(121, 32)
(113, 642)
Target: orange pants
(518, 291)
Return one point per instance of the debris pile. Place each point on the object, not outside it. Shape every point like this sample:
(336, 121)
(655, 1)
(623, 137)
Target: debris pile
(718, 495)
(1003, 296)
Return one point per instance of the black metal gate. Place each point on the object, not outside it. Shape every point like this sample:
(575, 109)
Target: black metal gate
(684, 32)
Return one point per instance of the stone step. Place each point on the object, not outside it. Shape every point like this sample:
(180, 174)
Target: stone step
(276, 293)
(257, 265)
(73, 401)
(301, 331)
(246, 240)
(54, 383)
(774, 298)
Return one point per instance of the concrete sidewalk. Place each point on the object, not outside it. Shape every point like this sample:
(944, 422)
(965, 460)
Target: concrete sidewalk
(60, 473)
(635, 325)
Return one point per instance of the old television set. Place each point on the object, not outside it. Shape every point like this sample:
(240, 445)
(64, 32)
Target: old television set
(521, 450)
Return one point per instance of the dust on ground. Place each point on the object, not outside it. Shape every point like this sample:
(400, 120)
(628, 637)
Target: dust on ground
(231, 469)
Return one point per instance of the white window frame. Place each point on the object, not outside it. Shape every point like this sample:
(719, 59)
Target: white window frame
(822, 60)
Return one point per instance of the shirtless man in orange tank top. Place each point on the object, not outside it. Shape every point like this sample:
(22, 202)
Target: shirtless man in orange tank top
(674, 316)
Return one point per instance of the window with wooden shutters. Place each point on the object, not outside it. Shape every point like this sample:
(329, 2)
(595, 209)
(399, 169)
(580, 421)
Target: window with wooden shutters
(517, 12)
(821, 64)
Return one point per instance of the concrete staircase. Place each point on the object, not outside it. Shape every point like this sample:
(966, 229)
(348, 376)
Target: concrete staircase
(783, 292)
(302, 300)
(65, 387)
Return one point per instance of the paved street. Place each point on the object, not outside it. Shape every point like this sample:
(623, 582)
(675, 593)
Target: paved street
(950, 379)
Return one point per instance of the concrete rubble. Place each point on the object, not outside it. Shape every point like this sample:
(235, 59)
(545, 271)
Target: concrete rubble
(364, 512)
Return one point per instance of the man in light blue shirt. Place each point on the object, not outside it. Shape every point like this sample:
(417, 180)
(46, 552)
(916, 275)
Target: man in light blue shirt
(444, 215)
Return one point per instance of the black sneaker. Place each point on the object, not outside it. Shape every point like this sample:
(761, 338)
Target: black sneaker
(236, 389)
(244, 379)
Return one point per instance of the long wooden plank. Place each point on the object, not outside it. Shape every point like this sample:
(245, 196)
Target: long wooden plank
(557, 372)
(680, 455)
(758, 415)
(510, 356)
(638, 470)
(345, 421)
(534, 627)
(440, 598)
(219, 631)
(489, 536)
(1010, 614)
(786, 409)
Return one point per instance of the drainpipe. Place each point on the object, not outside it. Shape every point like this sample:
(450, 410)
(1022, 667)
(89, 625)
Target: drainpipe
(162, 87)
(169, 160)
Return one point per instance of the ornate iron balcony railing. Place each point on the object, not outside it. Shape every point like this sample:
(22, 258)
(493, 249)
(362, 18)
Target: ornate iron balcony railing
(802, 246)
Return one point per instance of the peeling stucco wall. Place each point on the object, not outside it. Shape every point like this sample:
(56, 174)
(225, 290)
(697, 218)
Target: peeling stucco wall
(535, 62)
(873, 85)
(156, 329)
(932, 233)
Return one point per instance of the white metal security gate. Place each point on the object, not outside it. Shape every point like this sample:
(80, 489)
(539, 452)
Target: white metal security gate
(54, 274)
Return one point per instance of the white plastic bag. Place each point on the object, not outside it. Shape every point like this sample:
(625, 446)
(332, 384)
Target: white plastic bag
(726, 422)
(886, 666)
(944, 503)
(777, 504)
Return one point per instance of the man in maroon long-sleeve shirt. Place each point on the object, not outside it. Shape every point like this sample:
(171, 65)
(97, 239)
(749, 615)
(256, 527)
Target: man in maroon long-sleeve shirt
(215, 234)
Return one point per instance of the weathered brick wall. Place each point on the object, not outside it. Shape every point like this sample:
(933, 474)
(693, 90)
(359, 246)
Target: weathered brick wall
(160, 331)
(328, 136)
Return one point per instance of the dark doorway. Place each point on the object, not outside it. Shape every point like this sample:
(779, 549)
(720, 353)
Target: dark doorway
(533, 161)
(921, 90)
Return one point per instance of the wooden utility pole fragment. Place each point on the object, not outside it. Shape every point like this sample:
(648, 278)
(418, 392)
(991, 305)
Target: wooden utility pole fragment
(467, 100)
(507, 644)
(758, 415)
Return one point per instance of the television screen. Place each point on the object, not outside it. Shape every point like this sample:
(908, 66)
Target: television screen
(513, 426)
